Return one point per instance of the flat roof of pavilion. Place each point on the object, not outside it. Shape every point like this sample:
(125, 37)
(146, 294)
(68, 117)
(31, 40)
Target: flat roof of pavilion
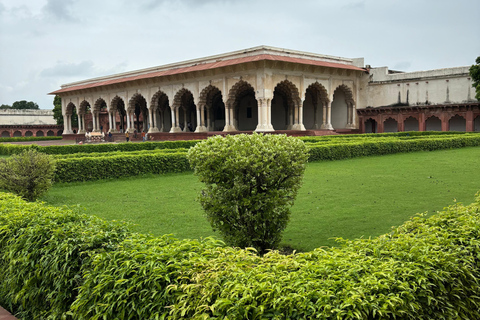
(261, 53)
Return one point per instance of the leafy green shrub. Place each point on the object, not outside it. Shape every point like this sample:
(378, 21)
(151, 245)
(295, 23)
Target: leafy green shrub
(43, 251)
(57, 264)
(251, 182)
(7, 148)
(28, 174)
(16, 139)
(119, 165)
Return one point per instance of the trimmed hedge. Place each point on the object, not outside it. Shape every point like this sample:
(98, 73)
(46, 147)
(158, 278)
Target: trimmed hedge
(6, 149)
(429, 268)
(345, 150)
(42, 252)
(19, 139)
(116, 166)
(103, 161)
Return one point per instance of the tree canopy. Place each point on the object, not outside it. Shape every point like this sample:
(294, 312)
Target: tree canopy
(21, 105)
(475, 74)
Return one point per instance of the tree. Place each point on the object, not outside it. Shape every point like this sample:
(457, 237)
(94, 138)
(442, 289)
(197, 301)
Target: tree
(23, 104)
(5, 106)
(251, 182)
(28, 174)
(475, 74)
(57, 110)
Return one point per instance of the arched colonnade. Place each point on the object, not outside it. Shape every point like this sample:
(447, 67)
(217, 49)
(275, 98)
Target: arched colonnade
(238, 108)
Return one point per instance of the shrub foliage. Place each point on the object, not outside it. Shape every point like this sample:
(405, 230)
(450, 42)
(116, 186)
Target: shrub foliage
(58, 264)
(251, 182)
(28, 174)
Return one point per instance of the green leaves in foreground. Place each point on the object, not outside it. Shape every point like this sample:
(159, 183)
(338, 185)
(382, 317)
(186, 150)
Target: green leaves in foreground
(251, 182)
(57, 264)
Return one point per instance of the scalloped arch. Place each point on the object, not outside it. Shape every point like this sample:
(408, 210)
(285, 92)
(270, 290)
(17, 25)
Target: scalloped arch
(114, 104)
(238, 90)
(177, 100)
(320, 91)
(84, 105)
(159, 99)
(98, 104)
(289, 90)
(207, 95)
(137, 97)
(70, 107)
(347, 91)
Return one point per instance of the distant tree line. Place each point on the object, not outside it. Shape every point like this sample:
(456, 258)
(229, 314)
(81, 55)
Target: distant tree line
(21, 105)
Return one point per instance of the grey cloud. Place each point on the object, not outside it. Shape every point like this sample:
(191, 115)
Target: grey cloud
(60, 9)
(84, 68)
(355, 6)
(154, 4)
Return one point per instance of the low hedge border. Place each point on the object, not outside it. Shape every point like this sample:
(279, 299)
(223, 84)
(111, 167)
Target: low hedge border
(382, 147)
(56, 263)
(19, 139)
(116, 166)
(7, 149)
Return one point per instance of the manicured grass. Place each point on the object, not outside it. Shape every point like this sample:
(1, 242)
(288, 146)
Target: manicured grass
(348, 198)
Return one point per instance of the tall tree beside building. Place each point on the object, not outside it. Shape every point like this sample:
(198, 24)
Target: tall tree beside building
(57, 110)
(475, 74)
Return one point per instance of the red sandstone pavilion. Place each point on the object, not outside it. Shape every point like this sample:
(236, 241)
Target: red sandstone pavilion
(268, 89)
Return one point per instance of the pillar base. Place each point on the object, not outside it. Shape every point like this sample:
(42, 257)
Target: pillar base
(152, 130)
(175, 129)
(201, 129)
(113, 131)
(264, 128)
(81, 132)
(299, 126)
(229, 128)
(326, 126)
(351, 126)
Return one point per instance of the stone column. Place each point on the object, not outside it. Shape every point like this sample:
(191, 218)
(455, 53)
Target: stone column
(128, 121)
(328, 116)
(421, 121)
(290, 117)
(445, 124)
(351, 116)
(175, 120)
(66, 119)
(110, 121)
(153, 121)
(201, 119)
(300, 116)
(469, 121)
(229, 126)
(298, 125)
(264, 116)
(209, 120)
(315, 121)
(380, 126)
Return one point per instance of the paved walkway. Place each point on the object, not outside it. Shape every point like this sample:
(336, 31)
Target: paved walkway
(5, 315)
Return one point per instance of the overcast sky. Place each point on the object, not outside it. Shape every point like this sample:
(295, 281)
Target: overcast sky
(47, 43)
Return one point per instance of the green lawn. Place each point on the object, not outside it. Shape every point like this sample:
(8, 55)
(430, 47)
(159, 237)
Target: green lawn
(349, 198)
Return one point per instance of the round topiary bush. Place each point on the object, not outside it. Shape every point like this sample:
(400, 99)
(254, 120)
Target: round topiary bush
(28, 174)
(251, 182)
